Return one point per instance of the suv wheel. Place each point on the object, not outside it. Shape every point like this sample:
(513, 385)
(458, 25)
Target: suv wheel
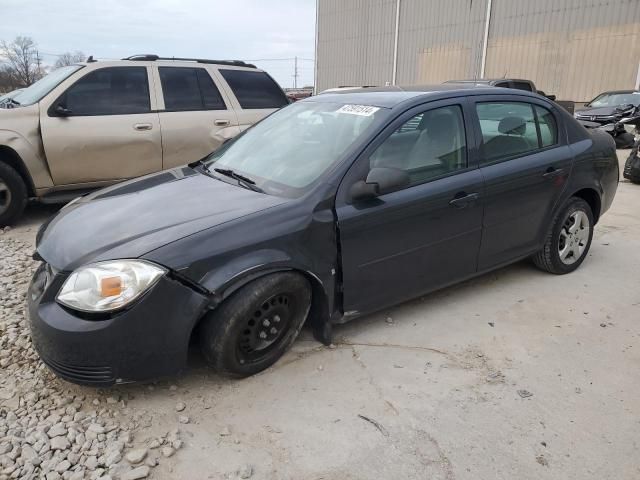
(13, 194)
(253, 328)
(568, 240)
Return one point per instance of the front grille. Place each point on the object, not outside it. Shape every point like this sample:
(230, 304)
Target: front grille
(86, 375)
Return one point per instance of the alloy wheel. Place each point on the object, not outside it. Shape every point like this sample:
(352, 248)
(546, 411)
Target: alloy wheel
(574, 237)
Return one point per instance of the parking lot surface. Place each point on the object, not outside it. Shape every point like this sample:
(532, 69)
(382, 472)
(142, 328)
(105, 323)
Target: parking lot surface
(515, 374)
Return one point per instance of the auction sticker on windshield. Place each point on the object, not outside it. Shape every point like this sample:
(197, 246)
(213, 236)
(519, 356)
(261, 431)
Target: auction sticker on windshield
(363, 110)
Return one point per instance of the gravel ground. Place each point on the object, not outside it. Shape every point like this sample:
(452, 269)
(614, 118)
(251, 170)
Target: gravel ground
(515, 374)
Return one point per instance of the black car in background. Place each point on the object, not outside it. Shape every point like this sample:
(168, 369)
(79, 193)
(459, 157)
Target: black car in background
(609, 106)
(333, 207)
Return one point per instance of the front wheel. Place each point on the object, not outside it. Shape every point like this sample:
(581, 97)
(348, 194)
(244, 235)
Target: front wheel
(568, 239)
(254, 327)
(13, 195)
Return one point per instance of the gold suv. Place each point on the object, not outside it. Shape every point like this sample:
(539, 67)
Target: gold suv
(92, 124)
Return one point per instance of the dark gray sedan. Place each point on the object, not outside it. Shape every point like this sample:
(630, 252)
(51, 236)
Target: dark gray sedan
(331, 208)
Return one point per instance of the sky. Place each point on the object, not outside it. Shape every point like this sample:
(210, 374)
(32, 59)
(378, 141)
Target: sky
(258, 30)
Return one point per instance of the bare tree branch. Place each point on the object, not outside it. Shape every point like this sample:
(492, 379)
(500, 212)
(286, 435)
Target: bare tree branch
(22, 62)
(69, 58)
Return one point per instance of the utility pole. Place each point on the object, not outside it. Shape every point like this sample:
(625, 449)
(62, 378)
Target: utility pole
(295, 72)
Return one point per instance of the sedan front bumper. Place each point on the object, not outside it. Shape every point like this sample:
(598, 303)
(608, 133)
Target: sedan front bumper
(147, 340)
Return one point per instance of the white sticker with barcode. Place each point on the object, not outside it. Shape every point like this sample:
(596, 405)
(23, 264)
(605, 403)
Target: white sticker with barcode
(363, 110)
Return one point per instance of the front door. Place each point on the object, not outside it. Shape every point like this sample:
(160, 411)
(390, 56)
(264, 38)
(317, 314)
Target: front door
(102, 128)
(196, 119)
(421, 237)
(525, 162)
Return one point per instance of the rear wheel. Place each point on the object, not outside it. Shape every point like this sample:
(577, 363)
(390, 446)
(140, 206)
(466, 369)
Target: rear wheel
(568, 239)
(13, 194)
(252, 329)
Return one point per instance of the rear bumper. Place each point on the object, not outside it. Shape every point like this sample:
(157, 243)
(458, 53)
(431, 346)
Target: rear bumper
(146, 341)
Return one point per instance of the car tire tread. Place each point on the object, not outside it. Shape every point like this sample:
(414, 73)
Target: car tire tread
(19, 195)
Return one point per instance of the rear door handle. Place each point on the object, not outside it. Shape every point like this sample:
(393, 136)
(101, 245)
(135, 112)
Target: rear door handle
(221, 123)
(552, 172)
(462, 199)
(142, 126)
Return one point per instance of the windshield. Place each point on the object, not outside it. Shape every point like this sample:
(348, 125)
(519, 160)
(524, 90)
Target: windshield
(615, 99)
(291, 149)
(35, 92)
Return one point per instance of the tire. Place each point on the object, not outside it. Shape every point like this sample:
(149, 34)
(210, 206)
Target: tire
(566, 245)
(254, 327)
(13, 195)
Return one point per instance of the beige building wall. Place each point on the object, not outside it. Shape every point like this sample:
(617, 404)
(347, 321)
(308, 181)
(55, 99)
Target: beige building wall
(571, 48)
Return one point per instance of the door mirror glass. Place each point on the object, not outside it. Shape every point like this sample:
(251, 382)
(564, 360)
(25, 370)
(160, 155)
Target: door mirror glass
(380, 180)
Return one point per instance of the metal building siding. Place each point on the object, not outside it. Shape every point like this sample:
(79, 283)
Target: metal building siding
(355, 42)
(571, 48)
(439, 40)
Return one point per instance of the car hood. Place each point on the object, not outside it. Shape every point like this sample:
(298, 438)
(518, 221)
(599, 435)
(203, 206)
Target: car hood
(135, 217)
(597, 111)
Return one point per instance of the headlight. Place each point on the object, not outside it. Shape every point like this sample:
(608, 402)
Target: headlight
(107, 286)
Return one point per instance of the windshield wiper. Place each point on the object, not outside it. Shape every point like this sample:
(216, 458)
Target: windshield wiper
(246, 181)
(15, 102)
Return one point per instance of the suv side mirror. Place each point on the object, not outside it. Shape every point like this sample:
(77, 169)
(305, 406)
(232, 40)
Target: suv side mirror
(380, 180)
(62, 111)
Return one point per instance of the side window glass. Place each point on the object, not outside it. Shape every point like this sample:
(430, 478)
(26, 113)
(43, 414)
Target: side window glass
(522, 86)
(185, 89)
(548, 127)
(428, 145)
(508, 129)
(254, 90)
(109, 91)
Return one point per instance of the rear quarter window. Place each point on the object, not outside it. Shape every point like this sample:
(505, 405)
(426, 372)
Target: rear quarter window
(254, 90)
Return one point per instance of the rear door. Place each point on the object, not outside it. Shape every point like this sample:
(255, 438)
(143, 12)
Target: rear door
(102, 128)
(195, 115)
(420, 237)
(254, 93)
(525, 162)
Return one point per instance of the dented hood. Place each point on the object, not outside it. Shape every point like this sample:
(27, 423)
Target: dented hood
(135, 217)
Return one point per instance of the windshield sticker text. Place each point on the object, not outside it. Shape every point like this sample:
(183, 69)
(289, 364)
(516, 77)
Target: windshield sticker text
(363, 110)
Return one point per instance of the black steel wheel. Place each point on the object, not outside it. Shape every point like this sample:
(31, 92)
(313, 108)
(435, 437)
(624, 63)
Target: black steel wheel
(253, 328)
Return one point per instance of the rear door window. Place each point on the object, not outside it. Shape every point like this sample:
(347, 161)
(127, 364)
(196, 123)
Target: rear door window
(254, 90)
(188, 89)
(513, 128)
(109, 91)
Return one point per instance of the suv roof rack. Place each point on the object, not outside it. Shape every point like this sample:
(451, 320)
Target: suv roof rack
(153, 58)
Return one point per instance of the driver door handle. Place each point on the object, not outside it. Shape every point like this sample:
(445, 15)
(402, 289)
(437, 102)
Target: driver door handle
(142, 126)
(462, 199)
(221, 123)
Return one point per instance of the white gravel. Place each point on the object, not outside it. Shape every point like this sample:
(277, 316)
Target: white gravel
(48, 428)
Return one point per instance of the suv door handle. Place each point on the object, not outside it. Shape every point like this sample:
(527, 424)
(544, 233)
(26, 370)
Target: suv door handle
(221, 123)
(462, 199)
(552, 172)
(142, 126)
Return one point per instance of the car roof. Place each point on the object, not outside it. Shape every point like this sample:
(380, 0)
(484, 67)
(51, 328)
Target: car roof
(489, 80)
(390, 96)
(614, 92)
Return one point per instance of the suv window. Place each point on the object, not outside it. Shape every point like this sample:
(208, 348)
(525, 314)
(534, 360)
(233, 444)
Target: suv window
(254, 89)
(109, 91)
(185, 88)
(510, 128)
(428, 145)
(521, 86)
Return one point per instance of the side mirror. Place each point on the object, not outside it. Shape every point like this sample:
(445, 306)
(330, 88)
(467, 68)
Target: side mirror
(62, 111)
(380, 180)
